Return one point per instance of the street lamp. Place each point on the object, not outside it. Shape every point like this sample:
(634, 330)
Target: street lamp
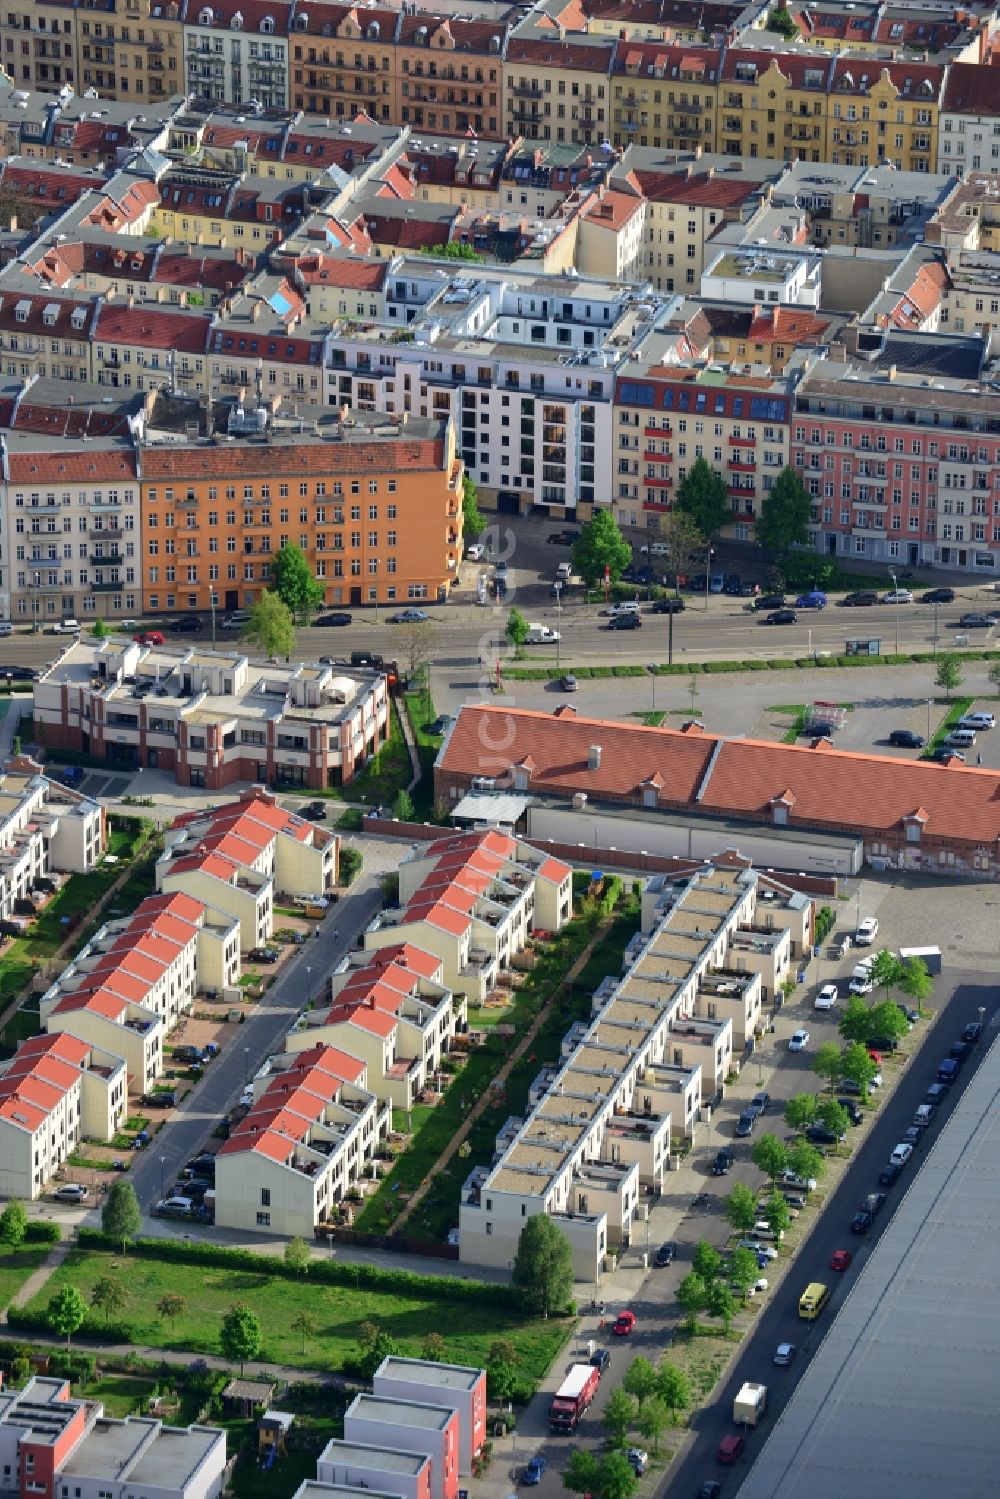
(246, 1065)
(982, 1022)
(651, 668)
(36, 579)
(935, 629)
(708, 573)
(163, 1162)
(558, 621)
(308, 983)
(895, 599)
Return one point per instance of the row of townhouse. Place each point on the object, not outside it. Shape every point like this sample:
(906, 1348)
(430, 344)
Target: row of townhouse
(158, 521)
(52, 1443)
(107, 1016)
(212, 718)
(45, 829)
(630, 1084)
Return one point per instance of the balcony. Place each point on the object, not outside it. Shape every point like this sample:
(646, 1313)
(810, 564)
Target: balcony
(734, 438)
(43, 507)
(650, 456)
(108, 504)
(657, 431)
(96, 534)
(108, 559)
(526, 90)
(743, 463)
(658, 483)
(115, 587)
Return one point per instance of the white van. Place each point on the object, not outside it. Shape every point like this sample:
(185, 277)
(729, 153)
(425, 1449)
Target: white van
(961, 738)
(542, 635)
(564, 571)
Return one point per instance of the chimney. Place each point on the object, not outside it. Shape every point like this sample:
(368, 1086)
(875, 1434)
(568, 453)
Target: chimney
(891, 372)
(594, 757)
(255, 311)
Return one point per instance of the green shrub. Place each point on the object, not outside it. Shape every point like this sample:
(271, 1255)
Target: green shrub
(40, 1232)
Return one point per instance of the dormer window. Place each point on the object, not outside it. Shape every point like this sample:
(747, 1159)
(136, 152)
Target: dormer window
(205, 17)
(267, 25)
(302, 21)
(236, 24)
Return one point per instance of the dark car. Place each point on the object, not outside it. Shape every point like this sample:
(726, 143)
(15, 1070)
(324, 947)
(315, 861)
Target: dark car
(264, 954)
(723, 1163)
(818, 1134)
(863, 599)
(745, 1123)
(861, 1222)
(912, 1135)
(851, 1109)
(873, 1203)
(781, 617)
(820, 730)
(732, 585)
(665, 1255)
(533, 1472)
(977, 621)
(314, 812)
(911, 1014)
(944, 753)
(710, 1489)
(636, 573)
(972, 1031)
(185, 624)
(600, 1360)
(883, 1043)
(19, 673)
(668, 606)
(330, 620)
(771, 601)
(366, 658)
(936, 1093)
(960, 1051)
(937, 596)
(906, 739)
(761, 1102)
(625, 622)
(889, 1175)
(847, 1086)
(202, 1165)
(562, 538)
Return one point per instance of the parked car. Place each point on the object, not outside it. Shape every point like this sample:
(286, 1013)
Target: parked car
(780, 617)
(441, 724)
(771, 601)
(149, 637)
(654, 549)
(532, 1474)
(415, 616)
(67, 626)
(600, 1360)
(818, 1134)
(889, 1175)
(862, 599)
(859, 985)
(783, 1355)
(665, 1255)
(314, 812)
(174, 1207)
(936, 1094)
(729, 1451)
(745, 1124)
(943, 753)
(861, 1223)
(867, 932)
(906, 739)
(625, 622)
(840, 1259)
(568, 683)
(623, 1324)
(264, 954)
(723, 1163)
(826, 998)
(562, 538)
(901, 1154)
(814, 599)
(800, 1183)
(761, 1102)
(325, 621)
(798, 1040)
(972, 1031)
(638, 1460)
(897, 596)
(912, 1135)
(475, 552)
(672, 605)
(71, 1192)
(185, 624)
(759, 1247)
(851, 1109)
(938, 596)
(977, 721)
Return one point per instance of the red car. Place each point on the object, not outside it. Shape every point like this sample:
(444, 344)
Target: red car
(729, 1450)
(876, 1056)
(624, 1323)
(840, 1259)
(149, 637)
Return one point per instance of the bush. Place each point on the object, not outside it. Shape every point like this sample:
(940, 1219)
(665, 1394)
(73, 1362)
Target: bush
(39, 1232)
(350, 865)
(331, 1271)
(93, 1326)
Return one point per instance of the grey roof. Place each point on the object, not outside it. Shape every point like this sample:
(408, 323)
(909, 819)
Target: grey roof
(492, 809)
(426, 1375)
(901, 1397)
(932, 354)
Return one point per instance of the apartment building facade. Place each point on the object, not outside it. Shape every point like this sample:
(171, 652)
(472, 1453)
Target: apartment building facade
(558, 90)
(237, 51)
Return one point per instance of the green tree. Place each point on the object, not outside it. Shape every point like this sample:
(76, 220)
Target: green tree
(707, 1261)
(516, 628)
(616, 1477)
(826, 1062)
(619, 1413)
(170, 1306)
(741, 1209)
(543, 1266)
(100, 629)
(270, 627)
(684, 540)
(673, 1387)
(800, 1110)
(833, 1116)
(949, 673)
(473, 521)
(777, 1214)
(13, 1224)
(691, 1298)
(382, 1346)
(701, 494)
(806, 1161)
(297, 1255)
(108, 1296)
(66, 1312)
(770, 1155)
(121, 1217)
(239, 1335)
(993, 672)
(887, 1019)
(432, 1349)
(654, 1418)
(886, 971)
(403, 809)
(785, 513)
(305, 1326)
(291, 578)
(601, 545)
(916, 982)
(782, 21)
(858, 1067)
(503, 1351)
(743, 1270)
(501, 1379)
(721, 1303)
(581, 1472)
(455, 249)
(640, 1380)
(855, 1021)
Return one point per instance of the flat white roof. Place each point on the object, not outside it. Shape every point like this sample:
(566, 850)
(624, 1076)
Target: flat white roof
(901, 1397)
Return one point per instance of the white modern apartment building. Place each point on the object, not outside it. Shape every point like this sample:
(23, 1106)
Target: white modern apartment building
(635, 1077)
(44, 827)
(237, 53)
(525, 365)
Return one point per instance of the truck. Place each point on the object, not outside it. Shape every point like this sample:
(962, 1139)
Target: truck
(748, 1407)
(573, 1397)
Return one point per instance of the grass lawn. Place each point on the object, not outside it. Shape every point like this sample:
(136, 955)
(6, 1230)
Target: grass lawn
(121, 1394)
(379, 781)
(421, 712)
(337, 1311)
(306, 1441)
(957, 707)
(16, 1266)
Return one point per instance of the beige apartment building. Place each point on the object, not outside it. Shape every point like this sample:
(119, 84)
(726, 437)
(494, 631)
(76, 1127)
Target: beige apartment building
(558, 90)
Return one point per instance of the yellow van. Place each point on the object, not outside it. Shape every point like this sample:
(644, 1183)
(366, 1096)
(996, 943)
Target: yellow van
(813, 1299)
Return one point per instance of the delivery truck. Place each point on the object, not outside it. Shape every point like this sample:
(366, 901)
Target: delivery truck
(748, 1407)
(573, 1397)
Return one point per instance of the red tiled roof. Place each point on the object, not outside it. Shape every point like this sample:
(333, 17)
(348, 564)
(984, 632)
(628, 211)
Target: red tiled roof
(372, 458)
(912, 81)
(970, 88)
(611, 210)
(469, 36)
(347, 271)
(792, 325)
(832, 788)
(426, 964)
(82, 467)
(146, 327)
(60, 1044)
(552, 53)
(46, 188)
(376, 1021)
(700, 190)
(254, 13)
(34, 322)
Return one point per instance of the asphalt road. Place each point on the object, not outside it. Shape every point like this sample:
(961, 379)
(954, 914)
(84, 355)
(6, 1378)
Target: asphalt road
(778, 1320)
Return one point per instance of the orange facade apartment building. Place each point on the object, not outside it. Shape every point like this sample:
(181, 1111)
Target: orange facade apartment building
(374, 502)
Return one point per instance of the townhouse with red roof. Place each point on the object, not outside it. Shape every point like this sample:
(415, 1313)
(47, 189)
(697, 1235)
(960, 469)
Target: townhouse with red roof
(237, 856)
(392, 1009)
(45, 828)
(305, 1141)
(470, 902)
(54, 1092)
